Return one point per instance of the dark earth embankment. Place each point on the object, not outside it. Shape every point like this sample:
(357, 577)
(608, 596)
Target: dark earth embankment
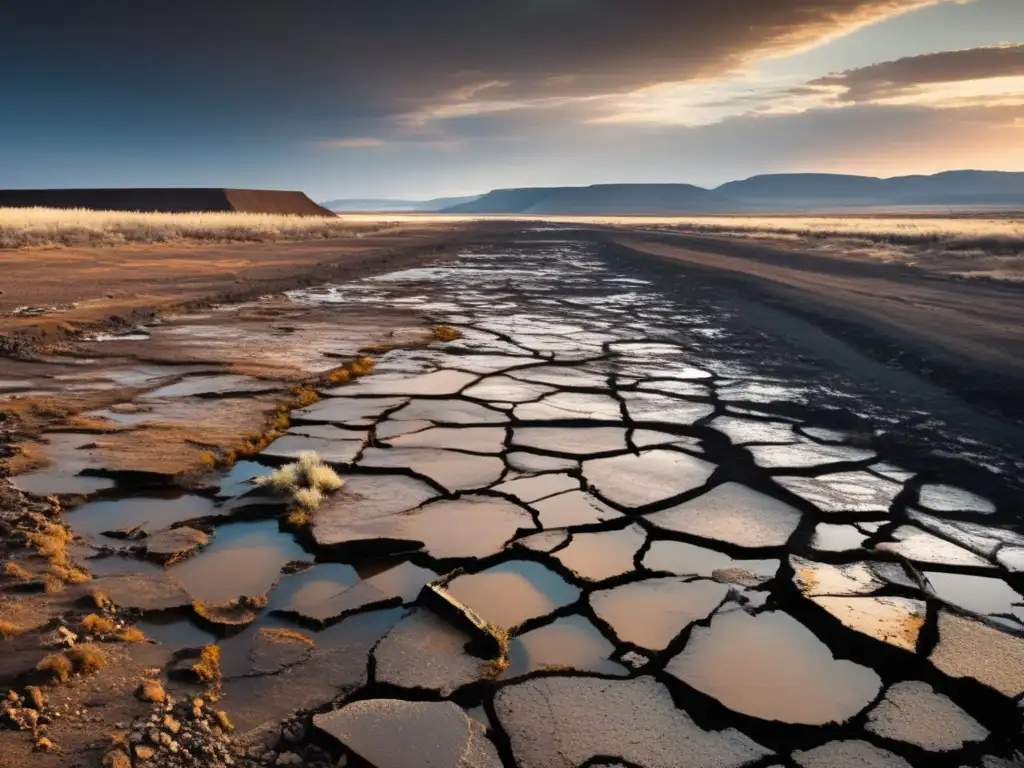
(167, 200)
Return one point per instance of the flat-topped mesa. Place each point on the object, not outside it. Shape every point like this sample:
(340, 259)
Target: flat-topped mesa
(167, 200)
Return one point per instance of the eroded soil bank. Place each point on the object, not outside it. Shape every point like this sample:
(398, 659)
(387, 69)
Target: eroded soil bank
(619, 520)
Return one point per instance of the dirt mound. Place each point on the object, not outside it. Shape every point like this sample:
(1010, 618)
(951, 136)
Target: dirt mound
(168, 200)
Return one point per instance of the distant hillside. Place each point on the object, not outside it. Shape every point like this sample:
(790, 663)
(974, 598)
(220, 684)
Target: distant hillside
(777, 192)
(355, 205)
(167, 200)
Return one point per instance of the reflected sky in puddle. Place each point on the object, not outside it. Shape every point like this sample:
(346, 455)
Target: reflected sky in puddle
(96, 517)
(511, 593)
(571, 641)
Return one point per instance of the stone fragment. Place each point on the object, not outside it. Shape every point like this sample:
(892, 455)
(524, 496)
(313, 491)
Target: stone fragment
(652, 476)
(912, 712)
(143, 592)
(367, 500)
(653, 612)
(772, 667)
(893, 620)
(425, 652)
(968, 648)
(732, 514)
(635, 720)
(919, 546)
(573, 508)
(175, 544)
(848, 754)
(391, 733)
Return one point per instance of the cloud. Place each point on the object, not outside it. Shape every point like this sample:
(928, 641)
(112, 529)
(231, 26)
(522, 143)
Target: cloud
(358, 142)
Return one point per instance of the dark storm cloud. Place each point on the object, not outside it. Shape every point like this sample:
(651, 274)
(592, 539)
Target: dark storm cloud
(352, 61)
(892, 78)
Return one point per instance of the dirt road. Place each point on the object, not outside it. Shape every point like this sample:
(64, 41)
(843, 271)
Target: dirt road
(966, 336)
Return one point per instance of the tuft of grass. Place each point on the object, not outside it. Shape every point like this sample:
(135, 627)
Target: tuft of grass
(307, 480)
(288, 634)
(8, 629)
(94, 624)
(207, 669)
(446, 333)
(57, 666)
(223, 721)
(305, 396)
(87, 658)
(100, 599)
(131, 635)
(13, 570)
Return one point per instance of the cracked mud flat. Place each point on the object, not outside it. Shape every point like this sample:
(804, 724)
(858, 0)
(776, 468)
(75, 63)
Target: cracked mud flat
(708, 550)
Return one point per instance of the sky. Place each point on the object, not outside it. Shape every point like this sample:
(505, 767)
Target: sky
(416, 99)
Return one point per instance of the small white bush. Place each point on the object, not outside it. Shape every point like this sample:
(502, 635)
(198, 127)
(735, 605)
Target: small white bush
(306, 480)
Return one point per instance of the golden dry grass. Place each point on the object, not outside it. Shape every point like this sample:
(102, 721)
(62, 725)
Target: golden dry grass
(9, 629)
(131, 635)
(87, 658)
(94, 624)
(51, 227)
(13, 570)
(307, 481)
(57, 666)
(207, 669)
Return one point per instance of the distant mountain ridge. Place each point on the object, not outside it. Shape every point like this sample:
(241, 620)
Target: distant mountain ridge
(353, 205)
(781, 193)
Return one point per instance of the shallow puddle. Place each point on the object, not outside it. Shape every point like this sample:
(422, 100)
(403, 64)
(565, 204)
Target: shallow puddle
(569, 642)
(511, 593)
(95, 518)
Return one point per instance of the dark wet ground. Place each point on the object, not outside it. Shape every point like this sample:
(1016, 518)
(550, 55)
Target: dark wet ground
(711, 545)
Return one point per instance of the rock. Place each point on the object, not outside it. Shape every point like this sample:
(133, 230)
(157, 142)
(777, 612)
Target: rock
(151, 690)
(732, 514)
(848, 754)
(116, 758)
(294, 732)
(144, 752)
(787, 673)
(289, 758)
(651, 613)
(390, 733)
(913, 713)
(648, 478)
(968, 648)
(45, 745)
(175, 544)
(893, 620)
(634, 720)
(422, 651)
(143, 592)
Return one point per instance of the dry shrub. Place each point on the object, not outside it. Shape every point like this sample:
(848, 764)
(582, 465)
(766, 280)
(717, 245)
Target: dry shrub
(306, 480)
(207, 669)
(100, 599)
(309, 498)
(131, 635)
(9, 629)
(323, 477)
(305, 396)
(97, 625)
(500, 663)
(300, 517)
(57, 666)
(13, 570)
(87, 658)
(223, 720)
(446, 333)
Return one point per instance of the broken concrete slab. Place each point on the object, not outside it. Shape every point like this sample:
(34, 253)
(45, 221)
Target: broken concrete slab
(391, 733)
(815, 579)
(894, 620)
(573, 508)
(522, 461)
(912, 712)
(651, 477)
(425, 652)
(143, 592)
(347, 410)
(433, 384)
(921, 547)
(174, 544)
(274, 650)
(968, 648)
(452, 470)
(652, 408)
(546, 541)
(948, 498)
(449, 411)
(837, 538)
(470, 526)
(807, 454)
(511, 593)
(635, 720)
(983, 540)
(571, 441)
(653, 612)
(744, 431)
(690, 560)
(388, 428)
(570, 642)
(472, 439)
(852, 753)
(603, 555)
(504, 389)
(569, 406)
(848, 492)
(733, 514)
(365, 500)
(772, 667)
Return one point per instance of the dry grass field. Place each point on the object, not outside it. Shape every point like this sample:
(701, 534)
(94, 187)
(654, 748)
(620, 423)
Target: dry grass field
(53, 227)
